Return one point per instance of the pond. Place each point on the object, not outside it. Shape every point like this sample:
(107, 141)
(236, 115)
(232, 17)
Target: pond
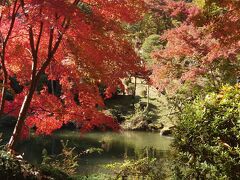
(116, 147)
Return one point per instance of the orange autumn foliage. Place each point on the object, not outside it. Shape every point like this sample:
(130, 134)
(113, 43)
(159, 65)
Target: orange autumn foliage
(78, 43)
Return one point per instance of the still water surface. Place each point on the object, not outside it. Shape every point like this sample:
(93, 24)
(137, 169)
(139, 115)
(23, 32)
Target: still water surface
(116, 147)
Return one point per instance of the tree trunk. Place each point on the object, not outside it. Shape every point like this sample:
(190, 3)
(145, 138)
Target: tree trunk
(35, 76)
(21, 117)
(134, 92)
(4, 42)
(135, 87)
(148, 97)
(2, 103)
(52, 83)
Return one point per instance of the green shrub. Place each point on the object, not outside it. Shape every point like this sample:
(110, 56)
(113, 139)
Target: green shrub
(98, 176)
(9, 167)
(143, 168)
(207, 138)
(65, 164)
(15, 168)
(55, 173)
(66, 161)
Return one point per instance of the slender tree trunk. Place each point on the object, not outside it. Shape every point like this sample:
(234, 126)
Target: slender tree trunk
(35, 76)
(134, 92)
(52, 82)
(148, 97)
(135, 86)
(4, 42)
(5, 82)
(21, 117)
(2, 101)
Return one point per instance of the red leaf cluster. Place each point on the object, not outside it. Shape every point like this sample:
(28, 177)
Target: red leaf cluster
(202, 37)
(92, 50)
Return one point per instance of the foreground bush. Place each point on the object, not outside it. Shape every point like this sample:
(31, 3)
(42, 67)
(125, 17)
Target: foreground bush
(15, 168)
(143, 168)
(207, 138)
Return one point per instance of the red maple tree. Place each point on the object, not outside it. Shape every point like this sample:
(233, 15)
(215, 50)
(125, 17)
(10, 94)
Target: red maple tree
(201, 37)
(78, 43)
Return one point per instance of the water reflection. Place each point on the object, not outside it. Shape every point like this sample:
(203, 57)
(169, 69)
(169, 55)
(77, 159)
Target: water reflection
(116, 146)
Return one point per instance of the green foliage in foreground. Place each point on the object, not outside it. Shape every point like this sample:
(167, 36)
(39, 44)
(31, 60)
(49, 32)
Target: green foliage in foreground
(144, 168)
(15, 168)
(207, 138)
(54, 173)
(98, 176)
(66, 161)
(11, 168)
(65, 164)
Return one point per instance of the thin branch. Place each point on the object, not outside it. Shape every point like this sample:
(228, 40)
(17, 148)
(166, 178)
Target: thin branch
(31, 39)
(50, 42)
(14, 12)
(39, 36)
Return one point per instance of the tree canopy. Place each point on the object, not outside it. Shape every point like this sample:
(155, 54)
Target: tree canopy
(80, 44)
(203, 34)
